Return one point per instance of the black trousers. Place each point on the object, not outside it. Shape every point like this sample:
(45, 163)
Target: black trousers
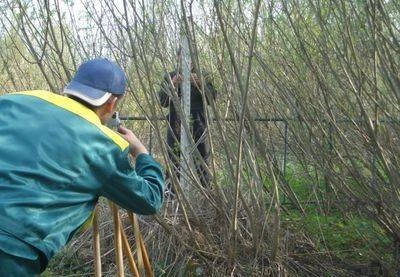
(200, 137)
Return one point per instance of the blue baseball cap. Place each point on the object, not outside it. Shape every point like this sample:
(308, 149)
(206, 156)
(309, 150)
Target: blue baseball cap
(96, 80)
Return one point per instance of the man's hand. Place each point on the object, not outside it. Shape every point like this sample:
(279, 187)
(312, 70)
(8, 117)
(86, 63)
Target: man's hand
(177, 79)
(195, 79)
(135, 145)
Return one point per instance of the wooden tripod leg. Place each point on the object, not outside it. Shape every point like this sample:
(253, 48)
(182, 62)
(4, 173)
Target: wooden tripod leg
(146, 260)
(136, 230)
(96, 244)
(128, 254)
(142, 252)
(118, 240)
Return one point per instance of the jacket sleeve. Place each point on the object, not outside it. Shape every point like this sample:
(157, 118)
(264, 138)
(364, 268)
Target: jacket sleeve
(163, 93)
(140, 190)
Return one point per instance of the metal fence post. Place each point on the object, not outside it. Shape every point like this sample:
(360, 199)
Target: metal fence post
(285, 150)
(285, 156)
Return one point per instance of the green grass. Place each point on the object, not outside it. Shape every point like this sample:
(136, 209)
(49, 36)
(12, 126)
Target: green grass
(350, 237)
(353, 240)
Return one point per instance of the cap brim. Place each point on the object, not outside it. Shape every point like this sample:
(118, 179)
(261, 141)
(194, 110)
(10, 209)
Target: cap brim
(94, 97)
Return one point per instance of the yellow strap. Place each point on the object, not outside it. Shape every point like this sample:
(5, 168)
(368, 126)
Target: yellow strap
(78, 109)
(88, 223)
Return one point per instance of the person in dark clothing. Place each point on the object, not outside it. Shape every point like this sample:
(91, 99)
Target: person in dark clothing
(170, 83)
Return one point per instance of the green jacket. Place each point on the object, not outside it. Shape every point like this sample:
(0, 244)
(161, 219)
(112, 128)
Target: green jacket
(56, 159)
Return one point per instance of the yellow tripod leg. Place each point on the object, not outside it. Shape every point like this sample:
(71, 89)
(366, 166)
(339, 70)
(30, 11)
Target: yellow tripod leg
(143, 257)
(118, 240)
(96, 245)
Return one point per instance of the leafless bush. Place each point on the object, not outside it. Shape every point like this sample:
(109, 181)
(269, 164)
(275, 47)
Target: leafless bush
(327, 69)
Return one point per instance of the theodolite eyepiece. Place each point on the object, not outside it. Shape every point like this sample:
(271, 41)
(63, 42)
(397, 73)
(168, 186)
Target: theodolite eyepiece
(114, 122)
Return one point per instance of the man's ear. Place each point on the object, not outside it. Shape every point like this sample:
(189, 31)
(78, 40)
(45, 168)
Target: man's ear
(111, 104)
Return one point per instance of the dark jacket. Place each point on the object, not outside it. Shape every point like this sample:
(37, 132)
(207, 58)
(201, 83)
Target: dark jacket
(196, 99)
